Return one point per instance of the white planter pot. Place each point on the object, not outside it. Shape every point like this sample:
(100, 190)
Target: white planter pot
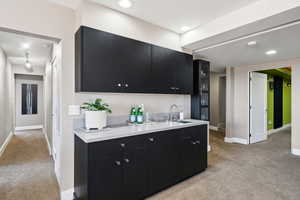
(95, 119)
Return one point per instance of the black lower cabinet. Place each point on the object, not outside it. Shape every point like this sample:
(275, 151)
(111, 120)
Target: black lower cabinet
(163, 159)
(136, 167)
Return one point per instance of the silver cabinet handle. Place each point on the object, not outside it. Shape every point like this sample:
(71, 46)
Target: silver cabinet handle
(151, 139)
(173, 88)
(122, 145)
(126, 160)
(118, 163)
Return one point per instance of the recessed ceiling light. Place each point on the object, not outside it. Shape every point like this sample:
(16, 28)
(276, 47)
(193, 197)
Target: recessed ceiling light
(25, 45)
(125, 3)
(252, 43)
(271, 52)
(185, 28)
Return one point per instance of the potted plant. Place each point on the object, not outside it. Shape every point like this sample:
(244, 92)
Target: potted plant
(95, 114)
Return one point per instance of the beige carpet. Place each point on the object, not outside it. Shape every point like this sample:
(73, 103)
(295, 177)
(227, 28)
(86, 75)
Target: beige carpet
(263, 171)
(26, 169)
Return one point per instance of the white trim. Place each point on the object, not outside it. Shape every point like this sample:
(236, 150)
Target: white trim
(236, 140)
(296, 152)
(7, 140)
(67, 194)
(48, 143)
(214, 128)
(208, 148)
(23, 128)
(279, 129)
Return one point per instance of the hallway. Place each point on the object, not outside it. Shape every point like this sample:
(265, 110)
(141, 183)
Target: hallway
(27, 170)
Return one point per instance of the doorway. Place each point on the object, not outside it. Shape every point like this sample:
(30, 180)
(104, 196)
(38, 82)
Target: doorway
(29, 102)
(269, 103)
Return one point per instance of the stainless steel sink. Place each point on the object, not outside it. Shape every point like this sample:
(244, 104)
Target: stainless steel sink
(184, 122)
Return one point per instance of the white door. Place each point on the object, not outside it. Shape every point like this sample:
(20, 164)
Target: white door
(55, 113)
(258, 107)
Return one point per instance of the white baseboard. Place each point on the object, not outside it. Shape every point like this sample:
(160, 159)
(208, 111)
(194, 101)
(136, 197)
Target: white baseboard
(208, 148)
(236, 140)
(67, 194)
(214, 128)
(48, 144)
(296, 152)
(7, 140)
(23, 128)
(279, 129)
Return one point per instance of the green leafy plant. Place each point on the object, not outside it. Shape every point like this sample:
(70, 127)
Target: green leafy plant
(97, 105)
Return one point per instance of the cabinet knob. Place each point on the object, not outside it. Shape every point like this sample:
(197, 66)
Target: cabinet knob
(151, 139)
(126, 160)
(172, 88)
(197, 142)
(193, 143)
(122, 145)
(126, 85)
(118, 163)
(119, 84)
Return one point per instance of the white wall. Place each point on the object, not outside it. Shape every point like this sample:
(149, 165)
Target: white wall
(295, 108)
(35, 119)
(6, 105)
(238, 100)
(44, 18)
(48, 103)
(102, 18)
(214, 99)
(36, 70)
(47, 19)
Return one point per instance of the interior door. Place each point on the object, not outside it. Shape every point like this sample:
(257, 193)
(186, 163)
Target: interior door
(258, 107)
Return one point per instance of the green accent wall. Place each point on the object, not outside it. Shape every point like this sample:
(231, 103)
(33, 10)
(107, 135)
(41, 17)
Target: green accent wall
(287, 95)
(270, 104)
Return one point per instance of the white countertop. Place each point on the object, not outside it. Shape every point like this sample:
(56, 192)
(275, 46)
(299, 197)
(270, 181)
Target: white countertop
(133, 130)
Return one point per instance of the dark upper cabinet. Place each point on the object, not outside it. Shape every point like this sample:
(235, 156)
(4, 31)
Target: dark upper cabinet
(110, 63)
(201, 94)
(107, 62)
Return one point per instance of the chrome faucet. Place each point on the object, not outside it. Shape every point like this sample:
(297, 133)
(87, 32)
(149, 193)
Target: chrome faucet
(173, 113)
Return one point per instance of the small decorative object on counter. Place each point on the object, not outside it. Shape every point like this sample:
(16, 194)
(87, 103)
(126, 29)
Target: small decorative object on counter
(140, 114)
(133, 114)
(95, 114)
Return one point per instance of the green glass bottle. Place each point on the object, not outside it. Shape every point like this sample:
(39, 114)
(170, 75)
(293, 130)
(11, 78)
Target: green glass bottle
(140, 114)
(133, 114)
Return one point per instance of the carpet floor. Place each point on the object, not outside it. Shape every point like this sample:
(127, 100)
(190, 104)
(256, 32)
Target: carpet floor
(26, 169)
(262, 171)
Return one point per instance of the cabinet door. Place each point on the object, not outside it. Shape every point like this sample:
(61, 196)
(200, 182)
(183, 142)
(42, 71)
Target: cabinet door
(136, 169)
(193, 151)
(200, 138)
(134, 61)
(105, 177)
(163, 160)
(184, 73)
(99, 71)
(163, 70)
